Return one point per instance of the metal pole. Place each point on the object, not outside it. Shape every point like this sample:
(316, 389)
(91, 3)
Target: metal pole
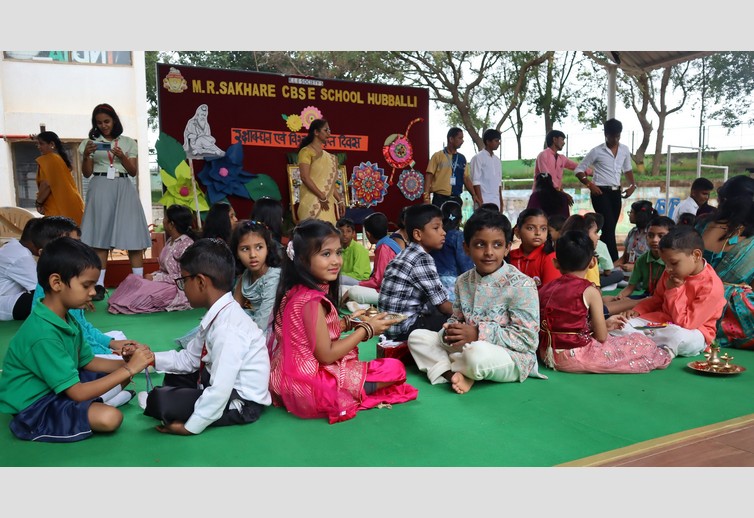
(612, 73)
(667, 183)
(699, 163)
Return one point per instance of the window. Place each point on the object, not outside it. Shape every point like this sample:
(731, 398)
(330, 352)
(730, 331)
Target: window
(76, 57)
(25, 154)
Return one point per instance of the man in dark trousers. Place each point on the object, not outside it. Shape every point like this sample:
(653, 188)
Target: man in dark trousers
(609, 162)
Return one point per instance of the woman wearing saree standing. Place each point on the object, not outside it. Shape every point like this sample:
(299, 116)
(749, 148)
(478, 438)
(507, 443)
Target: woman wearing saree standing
(57, 194)
(319, 196)
(728, 237)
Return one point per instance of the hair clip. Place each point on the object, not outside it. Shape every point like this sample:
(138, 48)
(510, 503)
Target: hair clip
(451, 217)
(289, 250)
(250, 222)
(544, 175)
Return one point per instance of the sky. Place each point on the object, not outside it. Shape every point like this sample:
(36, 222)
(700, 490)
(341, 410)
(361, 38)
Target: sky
(349, 25)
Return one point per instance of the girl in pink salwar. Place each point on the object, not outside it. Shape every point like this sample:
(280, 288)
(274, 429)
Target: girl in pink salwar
(316, 370)
(573, 333)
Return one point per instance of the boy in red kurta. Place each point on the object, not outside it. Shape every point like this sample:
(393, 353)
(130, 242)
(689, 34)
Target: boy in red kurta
(688, 299)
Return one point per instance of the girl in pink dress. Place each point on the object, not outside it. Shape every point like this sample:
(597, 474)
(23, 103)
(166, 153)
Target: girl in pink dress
(157, 291)
(316, 370)
(573, 333)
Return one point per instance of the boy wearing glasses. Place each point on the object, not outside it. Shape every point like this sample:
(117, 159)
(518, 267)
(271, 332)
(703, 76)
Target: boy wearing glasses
(222, 376)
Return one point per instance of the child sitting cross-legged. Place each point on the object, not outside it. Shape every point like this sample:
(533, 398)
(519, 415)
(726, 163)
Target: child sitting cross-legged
(687, 301)
(356, 265)
(221, 377)
(316, 371)
(451, 260)
(51, 382)
(531, 258)
(412, 286)
(385, 249)
(492, 334)
(574, 334)
(647, 270)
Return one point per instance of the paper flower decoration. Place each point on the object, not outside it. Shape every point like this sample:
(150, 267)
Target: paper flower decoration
(180, 189)
(170, 153)
(261, 186)
(368, 184)
(411, 183)
(293, 122)
(309, 115)
(398, 150)
(224, 176)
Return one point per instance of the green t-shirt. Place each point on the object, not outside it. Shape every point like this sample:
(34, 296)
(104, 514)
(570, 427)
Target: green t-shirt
(647, 271)
(604, 261)
(43, 357)
(356, 261)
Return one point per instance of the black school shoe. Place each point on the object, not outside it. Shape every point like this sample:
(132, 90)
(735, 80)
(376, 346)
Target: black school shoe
(100, 295)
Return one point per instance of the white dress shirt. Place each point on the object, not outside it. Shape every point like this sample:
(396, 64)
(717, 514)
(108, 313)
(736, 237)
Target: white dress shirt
(607, 168)
(487, 173)
(18, 274)
(237, 358)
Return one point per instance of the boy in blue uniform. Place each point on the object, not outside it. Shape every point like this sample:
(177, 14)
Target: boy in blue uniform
(51, 381)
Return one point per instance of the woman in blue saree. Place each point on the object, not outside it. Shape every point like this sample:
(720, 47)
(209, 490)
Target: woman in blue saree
(729, 247)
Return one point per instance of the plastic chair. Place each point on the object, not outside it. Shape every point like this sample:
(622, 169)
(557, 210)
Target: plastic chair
(660, 206)
(673, 204)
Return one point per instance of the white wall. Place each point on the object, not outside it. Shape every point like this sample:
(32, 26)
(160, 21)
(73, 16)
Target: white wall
(62, 96)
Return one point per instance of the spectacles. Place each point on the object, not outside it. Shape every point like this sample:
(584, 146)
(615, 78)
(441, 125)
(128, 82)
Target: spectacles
(181, 281)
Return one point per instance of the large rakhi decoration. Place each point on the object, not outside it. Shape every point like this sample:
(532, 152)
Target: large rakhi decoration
(411, 183)
(368, 184)
(398, 150)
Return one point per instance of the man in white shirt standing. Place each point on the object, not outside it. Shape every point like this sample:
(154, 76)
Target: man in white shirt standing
(609, 162)
(487, 171)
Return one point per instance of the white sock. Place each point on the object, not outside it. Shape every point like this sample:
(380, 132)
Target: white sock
(141, 397)
(101, 280)
(138, 271)
(107, 396)
(122, 398)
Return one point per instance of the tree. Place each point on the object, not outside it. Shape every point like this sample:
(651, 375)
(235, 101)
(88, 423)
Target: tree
(552, 89)
(480, 88)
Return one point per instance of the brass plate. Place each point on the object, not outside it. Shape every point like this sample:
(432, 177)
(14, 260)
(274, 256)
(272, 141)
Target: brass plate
(702, 367)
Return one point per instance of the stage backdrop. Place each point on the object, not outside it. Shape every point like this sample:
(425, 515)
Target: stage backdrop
(208, 110)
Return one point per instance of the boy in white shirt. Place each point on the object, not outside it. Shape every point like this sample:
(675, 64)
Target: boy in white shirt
(222, 376)
(700, 191)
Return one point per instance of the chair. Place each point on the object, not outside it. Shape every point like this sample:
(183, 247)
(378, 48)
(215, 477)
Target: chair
(12, 222)
(672, 205)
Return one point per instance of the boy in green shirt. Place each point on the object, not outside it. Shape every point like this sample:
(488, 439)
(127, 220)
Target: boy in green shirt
(647, 269)
(51, 381)
(356, 264)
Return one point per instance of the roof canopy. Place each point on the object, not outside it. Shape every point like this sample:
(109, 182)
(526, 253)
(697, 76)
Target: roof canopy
(631, 61)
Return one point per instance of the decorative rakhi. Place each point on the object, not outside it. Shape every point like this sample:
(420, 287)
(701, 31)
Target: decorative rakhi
(398, 150)
(368, 184)
(411, 183)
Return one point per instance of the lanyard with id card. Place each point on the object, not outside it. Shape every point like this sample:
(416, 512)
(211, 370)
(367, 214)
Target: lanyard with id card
(111, 171)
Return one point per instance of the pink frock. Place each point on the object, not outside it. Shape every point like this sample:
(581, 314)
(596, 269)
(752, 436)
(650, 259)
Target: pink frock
(309, 389)
(136, 294)
(566, 343)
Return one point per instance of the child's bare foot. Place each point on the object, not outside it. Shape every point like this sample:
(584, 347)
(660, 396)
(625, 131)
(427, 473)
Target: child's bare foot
(460, 383)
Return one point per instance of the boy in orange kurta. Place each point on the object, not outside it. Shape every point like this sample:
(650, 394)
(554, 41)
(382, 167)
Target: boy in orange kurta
(687, 301)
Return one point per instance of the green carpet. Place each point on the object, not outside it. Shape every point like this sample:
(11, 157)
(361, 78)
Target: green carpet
(530, 424)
